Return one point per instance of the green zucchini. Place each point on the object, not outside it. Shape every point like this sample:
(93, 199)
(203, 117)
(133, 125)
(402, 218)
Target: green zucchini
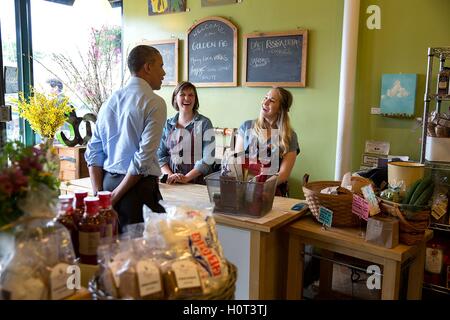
(423, 185)
(410, 191)
(425, 196)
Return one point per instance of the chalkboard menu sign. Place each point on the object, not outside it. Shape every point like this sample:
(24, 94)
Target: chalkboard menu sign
(211, 53)
(275, 59)
(169, 53)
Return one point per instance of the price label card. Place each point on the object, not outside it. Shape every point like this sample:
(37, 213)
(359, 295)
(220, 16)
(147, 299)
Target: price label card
(371, 198)
(325, 216)
(360, 207)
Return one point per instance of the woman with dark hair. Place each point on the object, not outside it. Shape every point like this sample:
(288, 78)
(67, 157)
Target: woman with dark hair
(186, 151)
(272, 131)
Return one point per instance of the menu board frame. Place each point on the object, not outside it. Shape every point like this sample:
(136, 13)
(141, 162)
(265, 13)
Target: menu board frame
(188, 65)
(302, 62)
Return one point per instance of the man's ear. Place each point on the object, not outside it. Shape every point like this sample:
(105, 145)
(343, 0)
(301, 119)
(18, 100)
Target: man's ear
(148, 67)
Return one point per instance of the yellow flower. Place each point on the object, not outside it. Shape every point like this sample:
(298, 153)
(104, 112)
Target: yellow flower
(45, 113)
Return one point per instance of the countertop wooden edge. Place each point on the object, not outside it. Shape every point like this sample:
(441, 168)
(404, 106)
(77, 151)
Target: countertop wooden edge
(400, 253)
(227, 220)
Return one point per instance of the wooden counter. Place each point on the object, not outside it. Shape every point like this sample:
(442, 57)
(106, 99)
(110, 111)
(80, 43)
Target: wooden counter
(257, 247)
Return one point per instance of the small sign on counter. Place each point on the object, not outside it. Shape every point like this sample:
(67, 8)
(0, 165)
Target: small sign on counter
(325, 216)
(360, 207)
(377, 147)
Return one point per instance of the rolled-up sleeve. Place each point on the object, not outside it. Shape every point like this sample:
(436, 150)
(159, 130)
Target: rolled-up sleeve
(145, 160)
(94, 154)
(208, 148)
(163, 151)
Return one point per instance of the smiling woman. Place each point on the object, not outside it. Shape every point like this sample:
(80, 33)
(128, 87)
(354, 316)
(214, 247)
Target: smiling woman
(270, 139)
(187, 148)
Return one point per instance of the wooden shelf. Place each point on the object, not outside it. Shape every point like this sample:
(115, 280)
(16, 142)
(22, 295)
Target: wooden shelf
(440, 227)
(436, 288)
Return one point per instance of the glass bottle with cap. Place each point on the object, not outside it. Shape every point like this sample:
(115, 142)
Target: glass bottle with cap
(109, 214)
(91, 229)
(67, 218)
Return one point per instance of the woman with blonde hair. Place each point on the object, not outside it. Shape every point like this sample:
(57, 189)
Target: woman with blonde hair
(271, 138)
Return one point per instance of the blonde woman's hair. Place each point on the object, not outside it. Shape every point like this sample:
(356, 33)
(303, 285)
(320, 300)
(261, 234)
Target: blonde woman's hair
(283, 123)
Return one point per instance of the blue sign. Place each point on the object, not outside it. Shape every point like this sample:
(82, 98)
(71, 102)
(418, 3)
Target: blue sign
(325, 216)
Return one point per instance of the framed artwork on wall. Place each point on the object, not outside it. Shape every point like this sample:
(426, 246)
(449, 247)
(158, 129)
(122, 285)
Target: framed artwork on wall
(398, 95)
(209, 3)
(169, 52)
(156, 7)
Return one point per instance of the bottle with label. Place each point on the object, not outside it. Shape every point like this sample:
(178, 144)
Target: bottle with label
(91, 229)
(79, 205)
(443, 81)
(66, 217)
(109, 214)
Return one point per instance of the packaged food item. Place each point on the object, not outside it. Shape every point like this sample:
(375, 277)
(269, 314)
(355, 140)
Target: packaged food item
(91, 229)
(129, 269)
(181, 278)
(434, 261)
(439, 204)
(79, 205)
(109, 215)
(43, 252)
(191, 229)
(66, 217)
(443, 81)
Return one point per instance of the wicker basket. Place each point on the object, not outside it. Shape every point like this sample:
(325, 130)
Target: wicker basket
(226, 292)
(340, 204)
(413, 220)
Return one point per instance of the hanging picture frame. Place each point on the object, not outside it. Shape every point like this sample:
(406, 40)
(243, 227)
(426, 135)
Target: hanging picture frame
(157, 7)
(169, 52)
(398, 95)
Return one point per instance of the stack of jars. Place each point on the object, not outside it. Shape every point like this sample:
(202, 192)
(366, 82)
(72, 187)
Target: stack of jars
(91, 222)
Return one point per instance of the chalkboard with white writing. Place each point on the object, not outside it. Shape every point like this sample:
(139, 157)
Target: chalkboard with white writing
(211, 53)
(169, 53)
(275, 59)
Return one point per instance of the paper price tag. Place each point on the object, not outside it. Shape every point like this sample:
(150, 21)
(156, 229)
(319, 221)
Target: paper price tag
(325, 216)
(371, 198)
(360, 207)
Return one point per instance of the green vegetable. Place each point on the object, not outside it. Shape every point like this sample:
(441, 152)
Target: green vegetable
(423, 185)
(410, 192)
(425, 196)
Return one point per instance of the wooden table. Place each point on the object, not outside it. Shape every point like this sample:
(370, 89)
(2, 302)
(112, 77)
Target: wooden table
(258, 248)
(348, 241)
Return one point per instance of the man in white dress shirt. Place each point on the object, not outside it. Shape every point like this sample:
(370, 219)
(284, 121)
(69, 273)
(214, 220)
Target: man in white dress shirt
(121, 155)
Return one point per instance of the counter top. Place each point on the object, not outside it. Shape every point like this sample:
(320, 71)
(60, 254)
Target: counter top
(278, 217)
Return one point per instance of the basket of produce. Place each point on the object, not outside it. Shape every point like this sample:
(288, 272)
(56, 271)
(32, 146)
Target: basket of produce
(340, 203)
(413, 212)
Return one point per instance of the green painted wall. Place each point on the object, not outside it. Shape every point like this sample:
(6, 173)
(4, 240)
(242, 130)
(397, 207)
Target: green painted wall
(314, 111)
(408, 28)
